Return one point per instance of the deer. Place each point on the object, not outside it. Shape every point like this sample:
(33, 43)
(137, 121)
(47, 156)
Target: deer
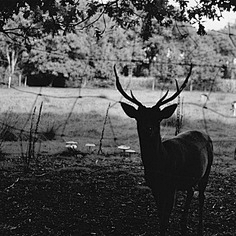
(181, 163)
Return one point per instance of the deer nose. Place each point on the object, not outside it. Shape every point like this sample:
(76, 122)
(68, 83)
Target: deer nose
(151, 131)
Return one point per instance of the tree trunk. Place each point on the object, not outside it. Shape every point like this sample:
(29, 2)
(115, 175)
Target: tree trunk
(9, 81)
(12, 59)
(19, 80)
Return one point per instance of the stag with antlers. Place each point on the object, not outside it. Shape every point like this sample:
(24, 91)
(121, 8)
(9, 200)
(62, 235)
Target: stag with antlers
(180, 163)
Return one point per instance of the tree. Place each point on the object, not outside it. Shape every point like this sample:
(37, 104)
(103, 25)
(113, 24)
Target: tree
(12, 60)
(59, 59)
(65, 16)
(67, 42)
(13, 50)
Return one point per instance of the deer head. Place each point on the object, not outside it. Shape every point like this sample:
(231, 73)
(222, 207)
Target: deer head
(149, 118)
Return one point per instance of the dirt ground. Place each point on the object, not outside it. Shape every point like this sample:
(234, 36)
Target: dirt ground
(102, 195)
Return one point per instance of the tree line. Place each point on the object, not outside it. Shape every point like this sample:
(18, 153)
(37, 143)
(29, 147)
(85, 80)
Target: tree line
(86, 54)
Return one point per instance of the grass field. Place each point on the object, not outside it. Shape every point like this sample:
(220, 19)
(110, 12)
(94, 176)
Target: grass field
(85, 193)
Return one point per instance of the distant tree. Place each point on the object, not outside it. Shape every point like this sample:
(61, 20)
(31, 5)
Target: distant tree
(59, 58)
(12, 51)
(117, 46)
(72, 41)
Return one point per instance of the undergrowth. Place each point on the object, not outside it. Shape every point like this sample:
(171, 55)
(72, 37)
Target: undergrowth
(87, 128)
(8, 123)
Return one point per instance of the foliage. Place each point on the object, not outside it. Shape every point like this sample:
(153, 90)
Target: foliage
(60, 57)
(54, 16)
(74, 59)
(69, 43)
(7, 126)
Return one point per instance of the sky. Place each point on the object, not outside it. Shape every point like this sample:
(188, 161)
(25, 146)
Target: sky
(228, 17)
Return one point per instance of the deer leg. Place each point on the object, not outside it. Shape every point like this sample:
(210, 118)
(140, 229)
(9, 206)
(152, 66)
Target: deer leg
(202, 187)
(165, 203)
(201, 204)
(183, 224)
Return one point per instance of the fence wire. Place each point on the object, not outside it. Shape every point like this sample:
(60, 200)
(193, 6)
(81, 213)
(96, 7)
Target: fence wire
(204, 107)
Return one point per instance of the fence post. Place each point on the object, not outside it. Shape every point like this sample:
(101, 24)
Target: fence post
(103, 130)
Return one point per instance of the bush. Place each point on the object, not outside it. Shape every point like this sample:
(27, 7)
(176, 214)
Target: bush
(49, 133)
(8, 132)
(170, 122)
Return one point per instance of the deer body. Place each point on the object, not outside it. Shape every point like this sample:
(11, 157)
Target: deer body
(180, 163)
(183, 158)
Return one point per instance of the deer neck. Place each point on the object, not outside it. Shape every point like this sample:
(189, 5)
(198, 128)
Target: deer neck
(153, 153)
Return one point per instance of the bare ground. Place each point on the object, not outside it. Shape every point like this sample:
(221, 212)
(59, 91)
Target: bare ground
(103, 195)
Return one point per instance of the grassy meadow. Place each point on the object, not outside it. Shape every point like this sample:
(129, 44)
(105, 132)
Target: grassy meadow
(101, 194)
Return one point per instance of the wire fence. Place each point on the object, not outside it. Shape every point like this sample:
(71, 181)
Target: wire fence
(203, 106)
(74, 99)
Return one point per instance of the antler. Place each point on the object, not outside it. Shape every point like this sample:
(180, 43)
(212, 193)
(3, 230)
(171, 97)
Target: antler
(162, 101)
(120, 89)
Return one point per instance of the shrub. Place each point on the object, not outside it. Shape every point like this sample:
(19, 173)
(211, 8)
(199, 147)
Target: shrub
(49, 133)
(8, 132)
(170, 122)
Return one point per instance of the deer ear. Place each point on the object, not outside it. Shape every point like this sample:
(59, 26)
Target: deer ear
(129, 110)
(168, 111)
